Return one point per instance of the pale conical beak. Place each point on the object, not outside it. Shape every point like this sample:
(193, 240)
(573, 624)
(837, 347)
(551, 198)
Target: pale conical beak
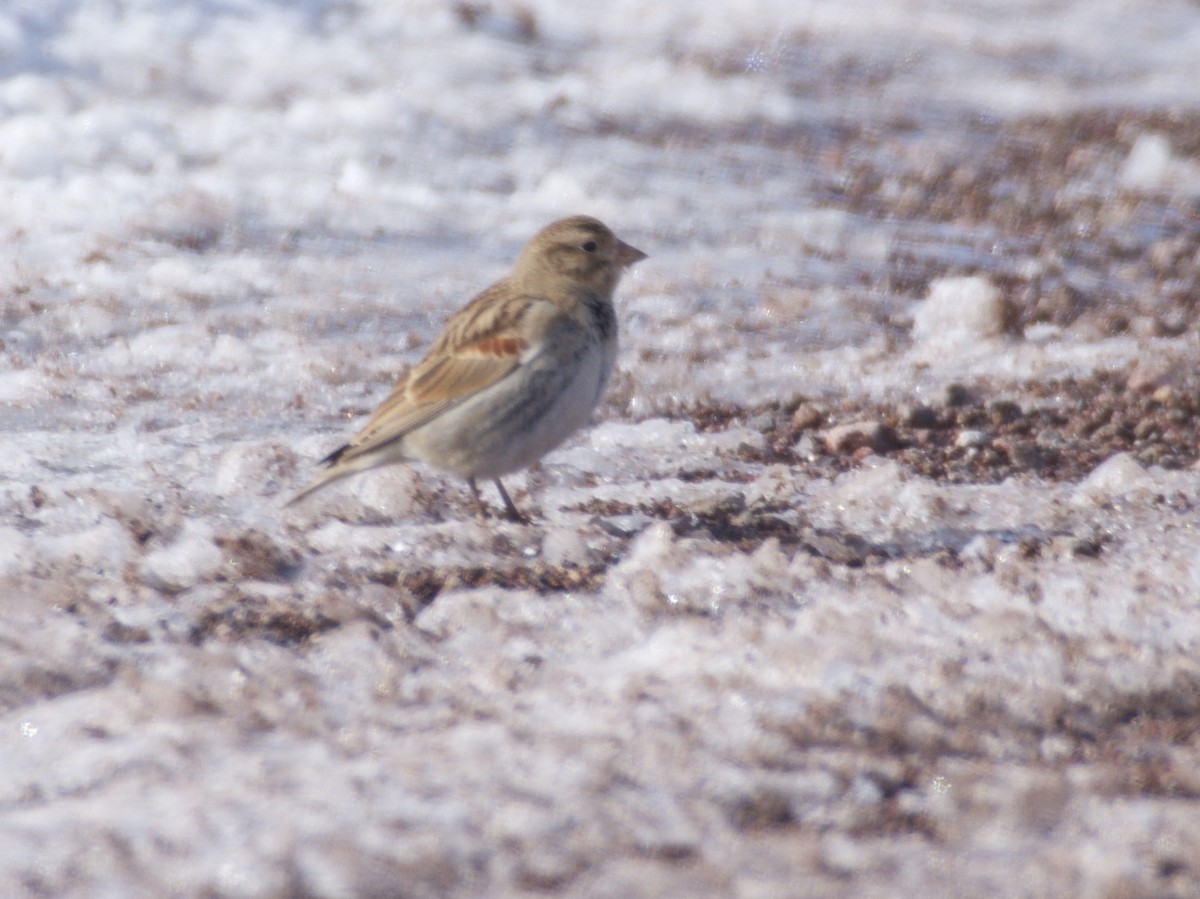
(627, 255)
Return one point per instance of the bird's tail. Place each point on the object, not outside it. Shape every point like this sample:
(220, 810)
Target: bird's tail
(337, 470)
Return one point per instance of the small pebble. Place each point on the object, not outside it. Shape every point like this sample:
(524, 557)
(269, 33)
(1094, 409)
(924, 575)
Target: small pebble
(1003, 412)
(918, 416)
(967, 439)
(806, 417)
(1164, 395)
(954, 395)
(854, 436)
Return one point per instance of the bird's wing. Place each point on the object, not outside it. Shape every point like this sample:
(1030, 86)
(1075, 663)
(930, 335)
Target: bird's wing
(480, 345)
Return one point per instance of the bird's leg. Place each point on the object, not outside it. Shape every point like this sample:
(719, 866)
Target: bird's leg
(479, 504)
(510, 511)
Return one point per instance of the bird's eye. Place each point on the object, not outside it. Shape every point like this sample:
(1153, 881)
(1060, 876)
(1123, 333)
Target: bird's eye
(589, 247)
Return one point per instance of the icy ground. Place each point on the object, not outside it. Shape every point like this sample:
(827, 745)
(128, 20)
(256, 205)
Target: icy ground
(878, 575)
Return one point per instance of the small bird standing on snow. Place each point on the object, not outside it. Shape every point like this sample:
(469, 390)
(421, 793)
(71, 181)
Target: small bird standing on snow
(513, 373)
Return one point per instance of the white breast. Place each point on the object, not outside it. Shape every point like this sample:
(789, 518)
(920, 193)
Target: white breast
(517, 421)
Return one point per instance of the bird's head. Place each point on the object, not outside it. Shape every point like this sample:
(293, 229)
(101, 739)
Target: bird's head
(577, 253)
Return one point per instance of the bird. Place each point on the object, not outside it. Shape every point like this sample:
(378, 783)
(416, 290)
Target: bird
(512, 374)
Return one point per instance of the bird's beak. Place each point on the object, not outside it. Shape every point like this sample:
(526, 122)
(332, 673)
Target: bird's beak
(627, 255)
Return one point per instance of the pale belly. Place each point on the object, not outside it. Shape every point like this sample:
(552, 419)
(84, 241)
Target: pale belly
(519, 420)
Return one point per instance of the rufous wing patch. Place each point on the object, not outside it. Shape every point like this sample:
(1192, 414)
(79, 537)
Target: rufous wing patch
(500, 346)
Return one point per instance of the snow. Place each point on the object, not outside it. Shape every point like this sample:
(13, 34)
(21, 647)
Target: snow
(960, 310)
(1153, 166)
(730, 654)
